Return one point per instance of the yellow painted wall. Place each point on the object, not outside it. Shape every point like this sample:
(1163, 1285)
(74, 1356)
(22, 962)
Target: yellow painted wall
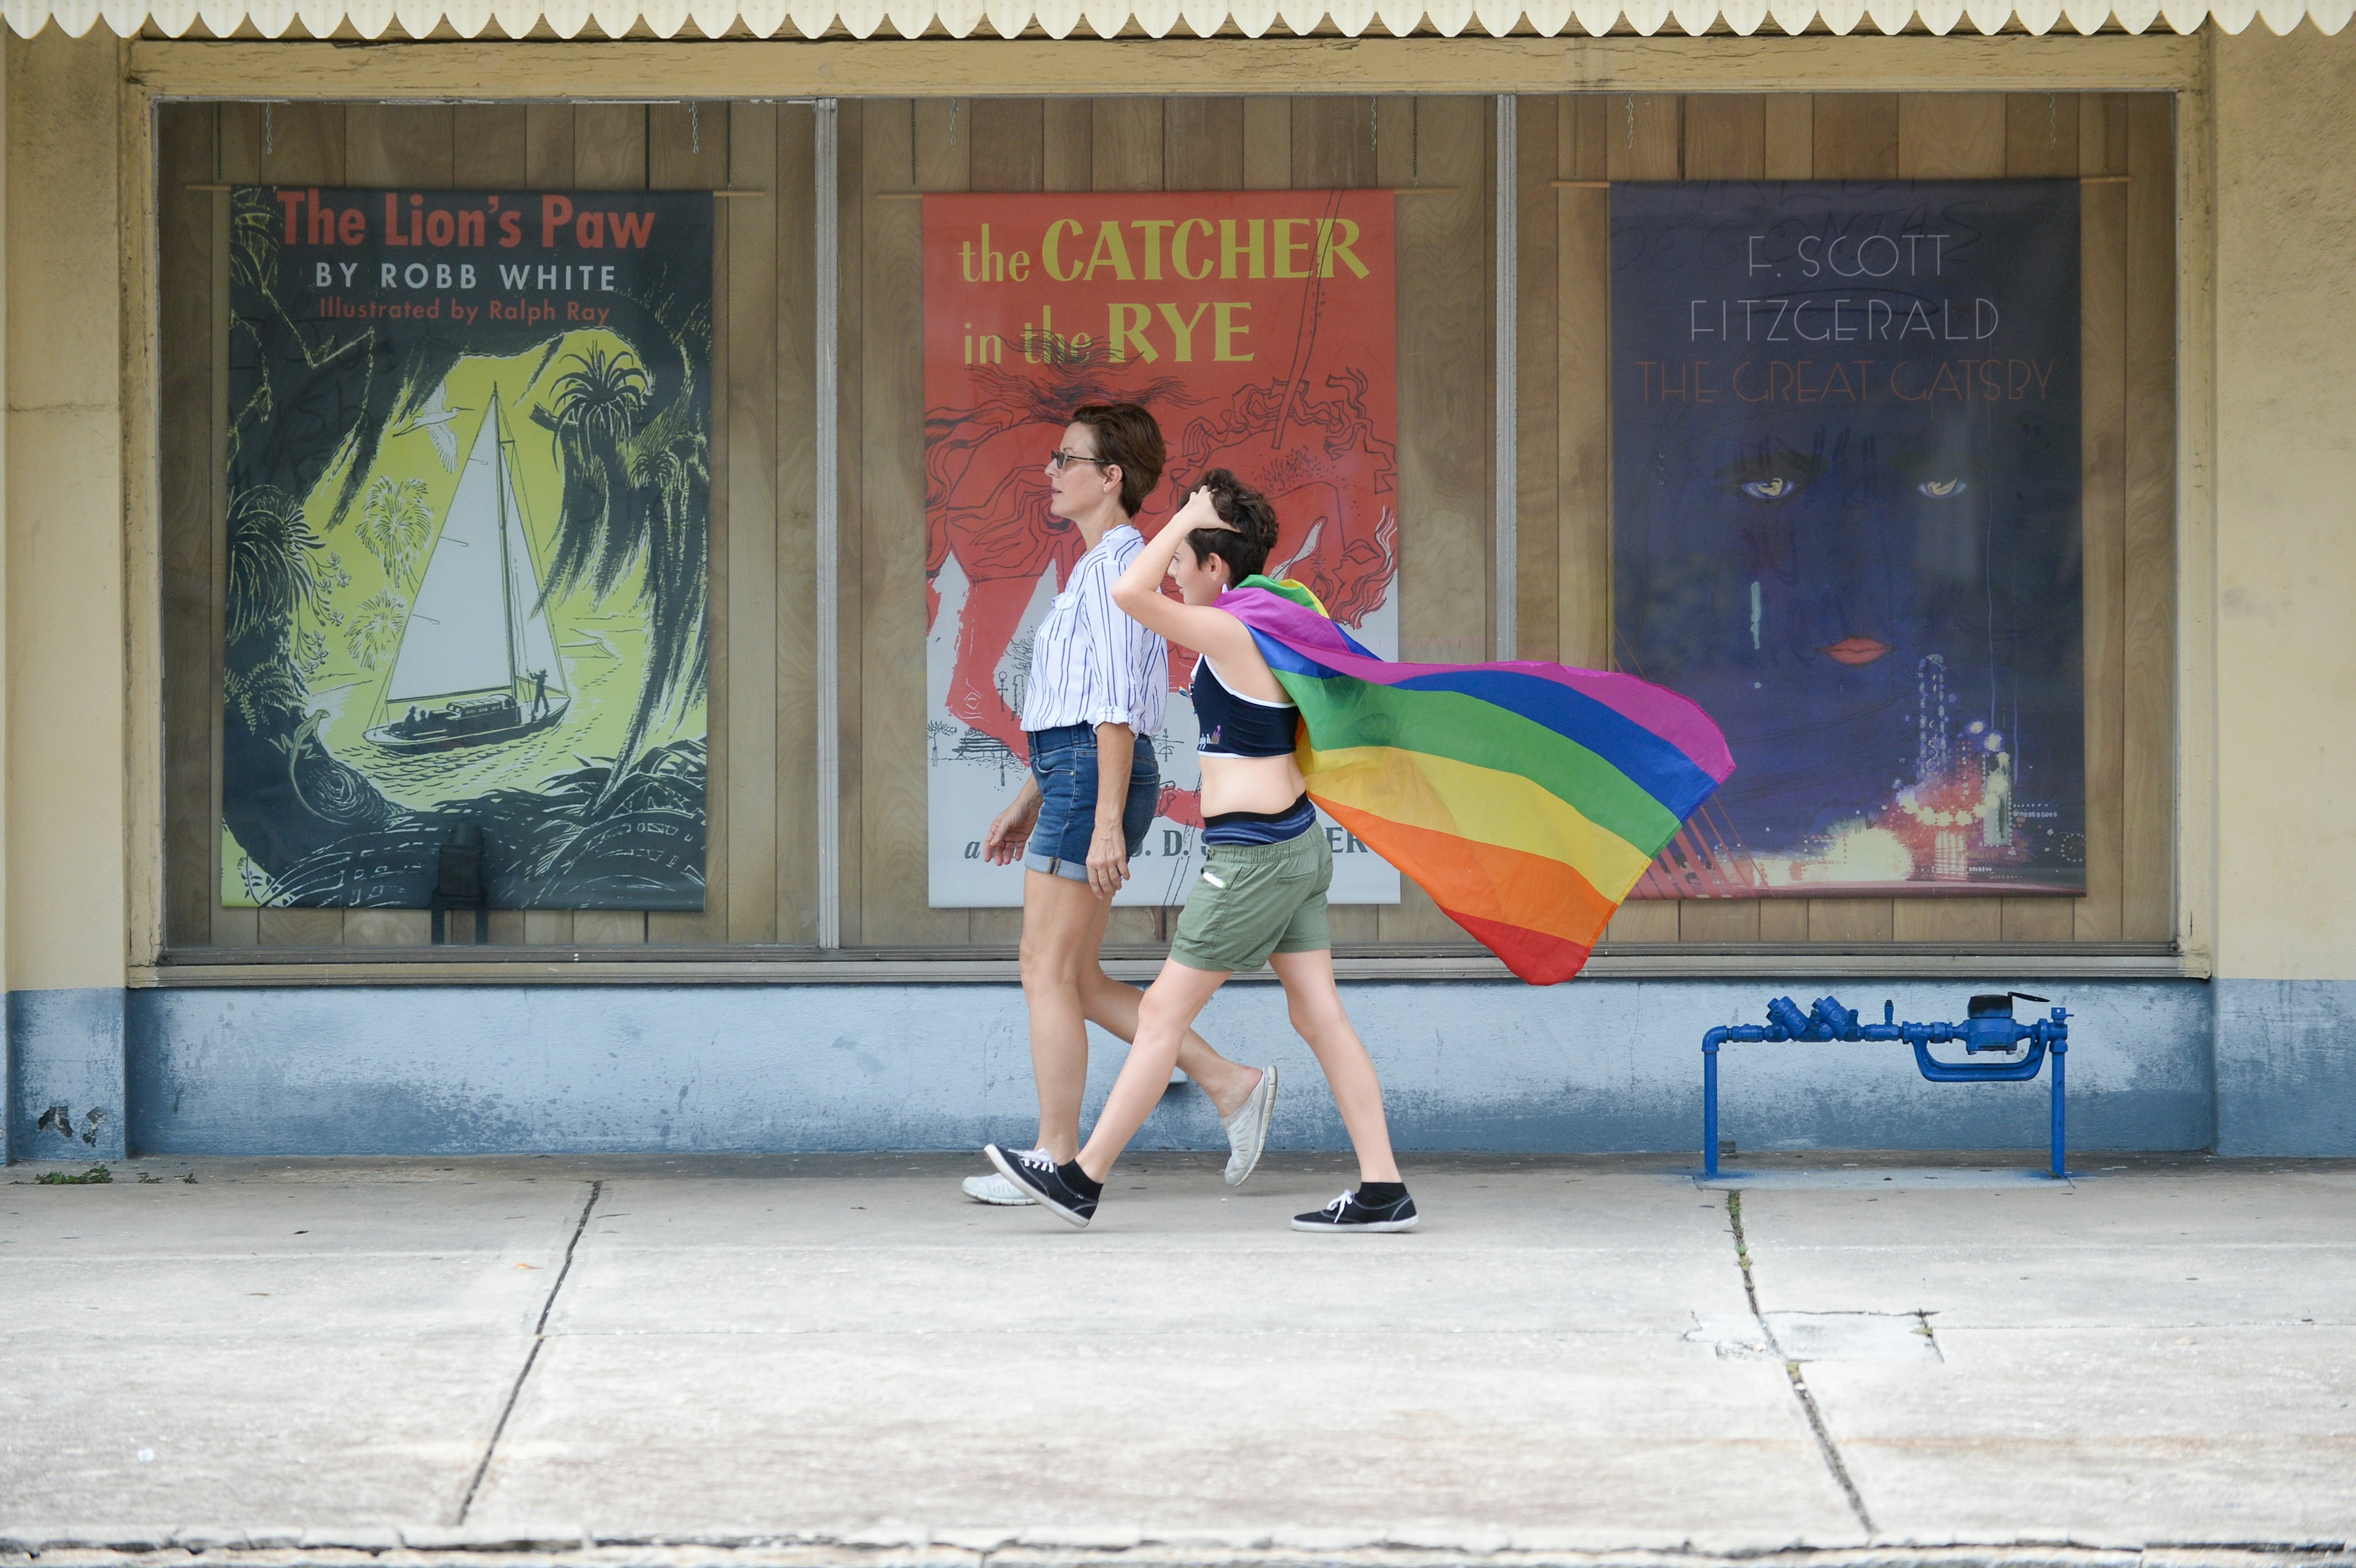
(2286, 506)
(66, 915)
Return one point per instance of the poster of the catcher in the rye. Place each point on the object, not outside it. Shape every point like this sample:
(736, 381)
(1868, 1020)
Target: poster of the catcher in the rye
(1259, 328)
(468, 483)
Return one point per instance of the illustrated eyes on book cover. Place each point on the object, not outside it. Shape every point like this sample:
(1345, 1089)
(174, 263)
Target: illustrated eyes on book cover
(1845, 520)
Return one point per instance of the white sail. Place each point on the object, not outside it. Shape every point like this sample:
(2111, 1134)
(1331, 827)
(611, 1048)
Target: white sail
(535, 645)
(459, 637)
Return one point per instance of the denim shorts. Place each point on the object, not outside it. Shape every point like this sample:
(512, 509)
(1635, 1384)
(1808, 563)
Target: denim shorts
(1064, 761)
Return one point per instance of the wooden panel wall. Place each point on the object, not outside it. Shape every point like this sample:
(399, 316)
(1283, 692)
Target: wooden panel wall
(1434, 151)
(2122, 147)
(761, 867)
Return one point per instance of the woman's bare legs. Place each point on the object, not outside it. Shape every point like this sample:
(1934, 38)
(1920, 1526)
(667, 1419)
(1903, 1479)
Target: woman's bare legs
(1065, 988)
(1175, 1000)
(1315, 1007)
(1057, 915)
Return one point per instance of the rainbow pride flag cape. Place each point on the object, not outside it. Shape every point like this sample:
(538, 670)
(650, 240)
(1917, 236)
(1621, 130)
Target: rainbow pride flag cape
(1525, 798)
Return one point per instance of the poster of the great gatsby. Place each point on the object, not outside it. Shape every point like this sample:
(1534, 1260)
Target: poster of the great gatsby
(1846, 483)
(1259, 328)
(468, 486)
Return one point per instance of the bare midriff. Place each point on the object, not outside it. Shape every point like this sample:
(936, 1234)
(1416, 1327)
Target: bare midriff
(1250, 783)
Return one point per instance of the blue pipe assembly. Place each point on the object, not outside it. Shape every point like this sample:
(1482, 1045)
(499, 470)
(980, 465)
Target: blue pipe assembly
(1990, 1027)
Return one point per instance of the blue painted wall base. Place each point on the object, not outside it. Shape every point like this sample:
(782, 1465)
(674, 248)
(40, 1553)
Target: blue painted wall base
(2244, 1067)
(66, 1080)
(1596, 1066)
(2285, 1067)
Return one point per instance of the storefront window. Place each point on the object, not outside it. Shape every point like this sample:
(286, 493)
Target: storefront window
(1157, 247)
(2118, 149)
(487, 475)
(519, 616)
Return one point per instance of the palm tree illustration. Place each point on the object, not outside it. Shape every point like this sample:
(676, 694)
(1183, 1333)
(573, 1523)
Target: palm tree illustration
(275, 570)
(394, 521)
(375, 628)
(631, 494)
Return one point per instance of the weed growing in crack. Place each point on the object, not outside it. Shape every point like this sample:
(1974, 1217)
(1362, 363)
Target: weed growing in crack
(96, 1176)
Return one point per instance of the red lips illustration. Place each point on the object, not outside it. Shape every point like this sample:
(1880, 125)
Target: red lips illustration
(1853, 650)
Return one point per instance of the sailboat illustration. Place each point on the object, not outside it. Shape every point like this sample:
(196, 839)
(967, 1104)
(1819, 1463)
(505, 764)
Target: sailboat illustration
(477, 664)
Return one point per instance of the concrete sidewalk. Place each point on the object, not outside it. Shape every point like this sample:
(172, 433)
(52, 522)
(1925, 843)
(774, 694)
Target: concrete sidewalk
(280, 1359)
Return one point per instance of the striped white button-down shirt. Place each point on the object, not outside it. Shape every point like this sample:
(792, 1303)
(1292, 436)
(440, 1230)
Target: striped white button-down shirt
(1090, 664)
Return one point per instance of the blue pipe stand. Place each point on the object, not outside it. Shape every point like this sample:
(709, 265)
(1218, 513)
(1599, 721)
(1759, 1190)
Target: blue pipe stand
(1989, 1027)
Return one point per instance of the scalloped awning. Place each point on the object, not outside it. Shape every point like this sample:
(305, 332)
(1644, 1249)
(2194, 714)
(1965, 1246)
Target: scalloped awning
(1155, 18)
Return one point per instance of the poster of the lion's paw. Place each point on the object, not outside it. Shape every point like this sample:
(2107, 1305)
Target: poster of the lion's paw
(467, 505)
(1259, 328)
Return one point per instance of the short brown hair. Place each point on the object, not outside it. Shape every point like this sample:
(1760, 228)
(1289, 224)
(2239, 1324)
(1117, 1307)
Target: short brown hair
(1250, 535)
(1130, 439)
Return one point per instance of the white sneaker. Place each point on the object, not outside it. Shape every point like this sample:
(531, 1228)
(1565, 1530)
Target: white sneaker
(996, 1189)
(1248, 1128)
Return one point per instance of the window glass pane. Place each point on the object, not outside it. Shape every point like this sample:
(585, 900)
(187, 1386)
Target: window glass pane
(932, 765)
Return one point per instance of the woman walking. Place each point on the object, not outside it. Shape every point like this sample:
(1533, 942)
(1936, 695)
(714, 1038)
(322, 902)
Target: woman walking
(1266, 866)
(1098, 685)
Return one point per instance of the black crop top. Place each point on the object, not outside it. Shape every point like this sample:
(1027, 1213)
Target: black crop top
(1230, 725)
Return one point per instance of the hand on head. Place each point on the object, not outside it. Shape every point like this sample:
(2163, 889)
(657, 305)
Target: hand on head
(1201, 512)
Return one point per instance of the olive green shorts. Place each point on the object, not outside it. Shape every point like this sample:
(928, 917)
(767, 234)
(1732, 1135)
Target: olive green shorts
(1253, 900)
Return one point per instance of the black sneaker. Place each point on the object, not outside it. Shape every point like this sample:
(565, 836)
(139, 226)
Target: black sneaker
(1348, 1213)
(1035, 1172)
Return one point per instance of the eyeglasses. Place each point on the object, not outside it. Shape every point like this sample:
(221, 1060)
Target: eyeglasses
(1063, 460)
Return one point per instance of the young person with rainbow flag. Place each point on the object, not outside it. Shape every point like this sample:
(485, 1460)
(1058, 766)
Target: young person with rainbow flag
(1525, 798)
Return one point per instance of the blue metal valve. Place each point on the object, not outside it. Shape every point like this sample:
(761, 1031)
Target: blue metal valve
(1988, 1028)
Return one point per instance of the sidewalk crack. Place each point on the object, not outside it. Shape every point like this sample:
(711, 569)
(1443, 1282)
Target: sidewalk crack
(539, 1337)
(1825, 1444)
